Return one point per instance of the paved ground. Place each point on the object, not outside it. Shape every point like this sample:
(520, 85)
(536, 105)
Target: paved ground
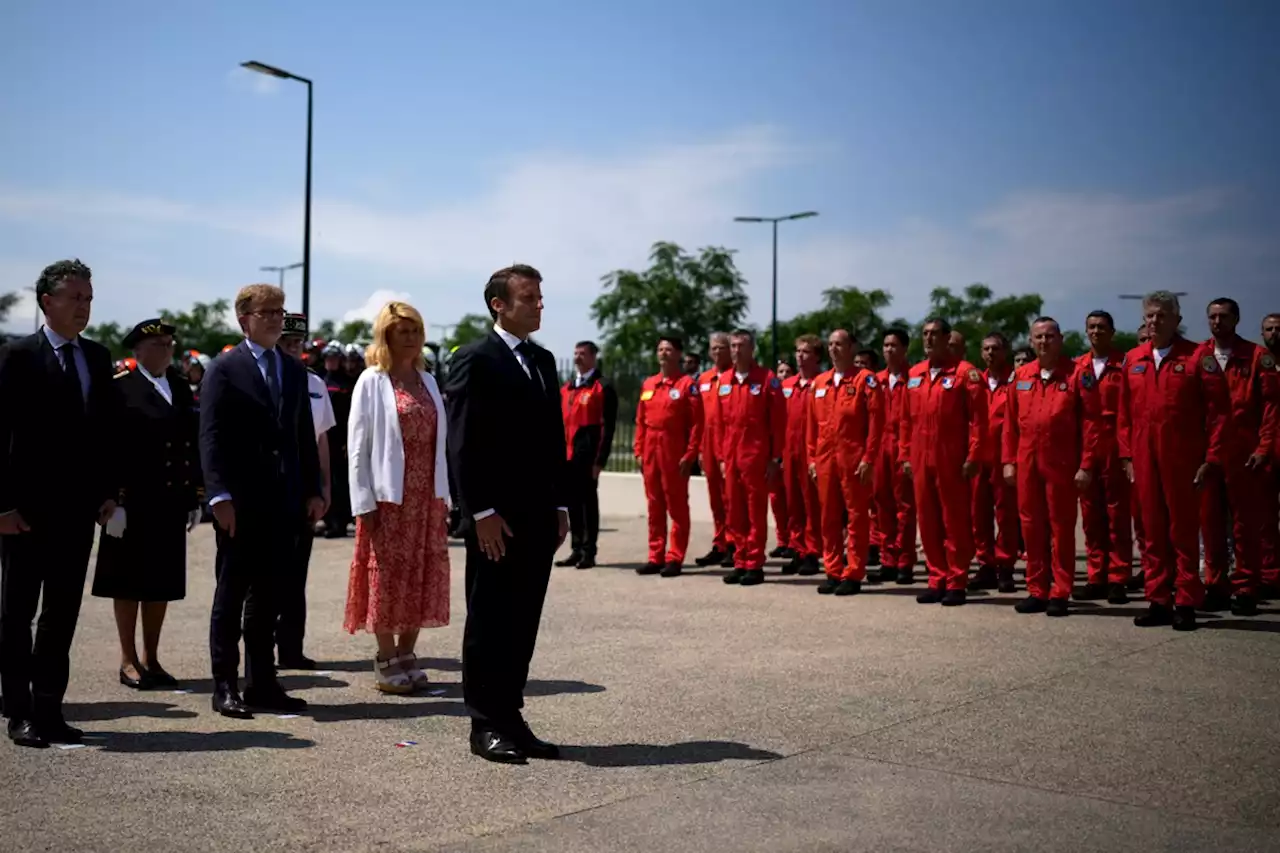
(700, 717)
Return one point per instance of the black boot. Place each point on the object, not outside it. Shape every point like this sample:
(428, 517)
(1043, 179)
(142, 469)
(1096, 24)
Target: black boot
(828, 586)
(588, 560)
(1057, 607)
(984, 578)
(727, 562)
(848, 588)
(735, 576)
(887, 574)
(906, 577)
(1216, 601)
(711, 558)
(778, 553)
(1092, 592)
(671, 570)
(793, 565)
(1244, 605)
(809, 566)
(1031, 604)
(1135, 583)
(1005, 583)
(752, 577)
(932, 595)
(954, 598)
(1184, 619)
(1156, 616)
(572, 560)
(1116, 594)
(649, 569)
(873, 555)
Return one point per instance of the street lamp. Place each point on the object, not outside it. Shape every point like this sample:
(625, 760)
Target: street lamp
(282, 271)
(774, 220)
(271, 71)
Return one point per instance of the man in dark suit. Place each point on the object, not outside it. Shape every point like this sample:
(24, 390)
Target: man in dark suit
(262, 475)
(507, 454)
(590, 409)
(58, 404)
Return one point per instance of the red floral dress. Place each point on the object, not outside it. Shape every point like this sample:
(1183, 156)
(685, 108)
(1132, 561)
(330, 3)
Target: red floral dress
(400, 573)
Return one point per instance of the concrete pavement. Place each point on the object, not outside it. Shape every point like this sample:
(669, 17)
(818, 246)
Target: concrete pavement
(696, 717)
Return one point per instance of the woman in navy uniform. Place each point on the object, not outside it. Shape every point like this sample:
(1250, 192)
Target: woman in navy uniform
(142, 554)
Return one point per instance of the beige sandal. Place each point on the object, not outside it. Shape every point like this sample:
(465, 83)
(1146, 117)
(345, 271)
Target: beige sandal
(390, 678)
(409, 666)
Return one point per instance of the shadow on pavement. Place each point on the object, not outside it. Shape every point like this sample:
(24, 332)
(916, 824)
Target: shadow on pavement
(99, 711)
(1265, 626)
(226, 741)
(383, 711)
(296, 681)
(653, 755)
(366, 665)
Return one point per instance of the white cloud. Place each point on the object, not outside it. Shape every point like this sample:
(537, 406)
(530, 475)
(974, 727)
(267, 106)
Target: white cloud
(369, 310)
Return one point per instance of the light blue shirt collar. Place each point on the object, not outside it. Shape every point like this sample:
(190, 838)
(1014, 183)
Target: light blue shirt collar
(57, 340)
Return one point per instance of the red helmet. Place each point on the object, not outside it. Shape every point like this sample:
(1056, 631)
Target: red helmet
(228, 347)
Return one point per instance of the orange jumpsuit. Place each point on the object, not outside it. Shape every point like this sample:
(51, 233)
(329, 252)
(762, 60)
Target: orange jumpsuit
(845, 429)
(943, 426)
(802, 491)
(750, 428)
(707, 383)
(1250, 429)
(1172, 419)
(1106, 504)
(668, 433)
(995, 502)
(895, 495)
(1051, 431)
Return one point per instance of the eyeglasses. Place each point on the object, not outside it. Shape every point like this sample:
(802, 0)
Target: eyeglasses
(270, 314)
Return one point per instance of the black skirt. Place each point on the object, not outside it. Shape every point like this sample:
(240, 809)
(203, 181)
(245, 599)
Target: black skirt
(148, 563)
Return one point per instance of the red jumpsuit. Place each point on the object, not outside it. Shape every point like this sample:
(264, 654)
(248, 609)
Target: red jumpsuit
(750, 426)
(707, 382)
(995, 502)
(802, 491)
(668, 433)
(781, 512)
(943, 425)
(1051, 432)
(1172, 419)
(1105, 505)
(895, 495)
(1250, 429)
(845, 429)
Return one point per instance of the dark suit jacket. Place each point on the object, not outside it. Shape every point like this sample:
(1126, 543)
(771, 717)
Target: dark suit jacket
(506, 434)
(56, 459)
(158, 445)
(266, 462)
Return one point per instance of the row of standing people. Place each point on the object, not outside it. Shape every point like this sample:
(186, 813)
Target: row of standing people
(1174, 437)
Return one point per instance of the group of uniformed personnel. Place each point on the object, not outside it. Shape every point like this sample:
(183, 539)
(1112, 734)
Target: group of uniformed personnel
(1175, 438)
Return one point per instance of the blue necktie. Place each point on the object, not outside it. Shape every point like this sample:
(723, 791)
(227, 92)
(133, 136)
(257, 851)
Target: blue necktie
(273, 381)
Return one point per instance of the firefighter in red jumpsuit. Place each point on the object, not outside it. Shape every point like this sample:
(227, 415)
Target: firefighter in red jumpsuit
(942, 435)
(995, 500)
(668, 438)
(750, 431)
(895, 495)
(802, 491)
(1050, 449)
(721, 553)
(1174, 406)
(1105, 506)
(869, 359)
(845, 427)
(1271, 512)
(1239, 487)
(778, 491)
(1139, 579)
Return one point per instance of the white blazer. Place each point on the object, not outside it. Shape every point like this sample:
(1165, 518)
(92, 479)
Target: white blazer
(375, 447)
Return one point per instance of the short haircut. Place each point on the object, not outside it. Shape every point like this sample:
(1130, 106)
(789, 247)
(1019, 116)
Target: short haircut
(676, 343)
(591, 345)
(1025, 351)
(1037, 321)
(378, 355)
(1271, 316)
(718, 336)
(871, 354)
(253, 295)
(810, 340)
(1228, 303)
(1102, 315)
(997, 336)
(743, 333)
(898, 334)
(1164, 299)
(500, 282)
(56, 273)
(937, 321)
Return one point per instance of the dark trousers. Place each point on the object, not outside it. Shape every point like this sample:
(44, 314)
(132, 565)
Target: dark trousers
(504, 607)
(53, 557)
(292, 625)
(584, 506)
(338, 516)
(251, 571)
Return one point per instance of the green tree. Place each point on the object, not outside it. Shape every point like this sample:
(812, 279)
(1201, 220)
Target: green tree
(848, 308)
(1075, 343)
(327, 330)
(975, 314)
(7, 303)
(110, 336)
(204, 328)
(683, 294)
(355, 331)
(470, 328)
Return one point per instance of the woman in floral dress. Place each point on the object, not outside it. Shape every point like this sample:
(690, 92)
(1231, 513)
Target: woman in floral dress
(399, 579)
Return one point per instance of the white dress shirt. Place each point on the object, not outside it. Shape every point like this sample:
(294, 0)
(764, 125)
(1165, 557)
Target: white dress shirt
(321, 406)
(57, 341)
(161, 384)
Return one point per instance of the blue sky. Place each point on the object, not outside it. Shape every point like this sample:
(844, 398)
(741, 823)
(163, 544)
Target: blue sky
(1077, 149)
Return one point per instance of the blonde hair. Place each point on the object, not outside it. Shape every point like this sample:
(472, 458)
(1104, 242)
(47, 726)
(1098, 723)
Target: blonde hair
(254, 295)
(378, 355)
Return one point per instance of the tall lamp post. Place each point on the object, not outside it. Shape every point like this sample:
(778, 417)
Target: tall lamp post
(774, 220)
(282, 271)
(271, 71)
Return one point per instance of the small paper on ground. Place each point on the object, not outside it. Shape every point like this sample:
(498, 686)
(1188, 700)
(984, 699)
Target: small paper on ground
(70, 746)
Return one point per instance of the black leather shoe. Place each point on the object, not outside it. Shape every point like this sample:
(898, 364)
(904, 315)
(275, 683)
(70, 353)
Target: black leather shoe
(778, 553)
(588, 561)
(648, 569)
(1156, 615)
(1116, 594)
(1031, 604)
(1216, 601)
(793, 565)
(1005, 581)
(160, 678)
(1135, 583)
(1184, 618)
(809, 566)
(752, 577)
(1057, 607)
(954, 598)
(906, 577)
(711, 558)
(57, 731)
(24, 733)
(888, 574)
(273, 698)
(227, 702)
(873, 555)
(670, 570)
(1244, 605)
(828, 586)
(301, 662)
(493, 746)
(572, 560)
(1091, 592)
(849, 587)
(533, 746)
(142, 682)
(735, 576)
(984, 578)
(932, 595)
(730, 557)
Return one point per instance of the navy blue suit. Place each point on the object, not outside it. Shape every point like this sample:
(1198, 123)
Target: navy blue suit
(263, 457)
